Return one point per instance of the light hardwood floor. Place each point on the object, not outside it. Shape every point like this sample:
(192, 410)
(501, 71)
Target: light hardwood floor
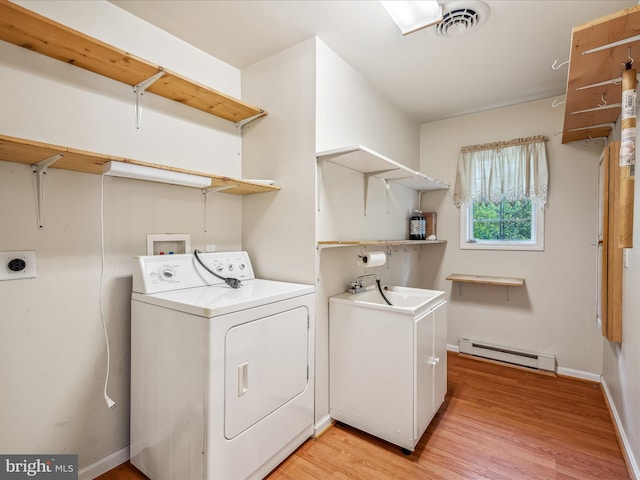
(497, 423)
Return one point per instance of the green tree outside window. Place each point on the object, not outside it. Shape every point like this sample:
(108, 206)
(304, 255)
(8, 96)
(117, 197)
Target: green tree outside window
(502, 221)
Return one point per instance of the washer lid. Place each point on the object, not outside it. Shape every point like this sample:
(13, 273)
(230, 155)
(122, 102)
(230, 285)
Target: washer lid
(215, 300)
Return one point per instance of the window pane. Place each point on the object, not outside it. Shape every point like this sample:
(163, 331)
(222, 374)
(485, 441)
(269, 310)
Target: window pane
(502, 221)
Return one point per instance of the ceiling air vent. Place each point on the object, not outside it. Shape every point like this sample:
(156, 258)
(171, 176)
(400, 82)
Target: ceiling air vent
(461, 17)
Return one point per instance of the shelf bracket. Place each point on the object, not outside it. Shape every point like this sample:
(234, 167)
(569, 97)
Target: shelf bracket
(366, 177)
(139, 90)
(205, 195)
(40, 169)
(242, 123)
(247, 121)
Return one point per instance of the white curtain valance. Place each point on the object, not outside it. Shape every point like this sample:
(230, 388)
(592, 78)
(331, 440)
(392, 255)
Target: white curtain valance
(511, 171)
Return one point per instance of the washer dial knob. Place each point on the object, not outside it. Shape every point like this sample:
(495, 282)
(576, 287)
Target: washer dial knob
(167, 273)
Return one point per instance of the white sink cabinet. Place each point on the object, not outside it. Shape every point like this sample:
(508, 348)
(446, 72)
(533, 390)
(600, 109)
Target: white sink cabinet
(388, 367)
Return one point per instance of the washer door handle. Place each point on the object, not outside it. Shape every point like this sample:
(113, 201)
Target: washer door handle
(243, 378)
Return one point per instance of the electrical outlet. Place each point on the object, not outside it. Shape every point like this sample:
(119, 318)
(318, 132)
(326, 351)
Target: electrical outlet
(16, 265)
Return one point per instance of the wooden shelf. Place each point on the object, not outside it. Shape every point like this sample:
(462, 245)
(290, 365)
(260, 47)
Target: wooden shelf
(27, 29)
(591, 68)
(30, 152)
(365, 160)
(374, 243)
(486, 279)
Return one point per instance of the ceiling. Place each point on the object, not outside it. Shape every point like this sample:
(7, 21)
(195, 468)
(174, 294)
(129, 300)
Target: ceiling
(505, 61)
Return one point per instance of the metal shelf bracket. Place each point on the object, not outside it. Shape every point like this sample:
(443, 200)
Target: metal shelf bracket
(139, 90)
(367, 176)
(40, 169)
(246, 121)
(205, 195)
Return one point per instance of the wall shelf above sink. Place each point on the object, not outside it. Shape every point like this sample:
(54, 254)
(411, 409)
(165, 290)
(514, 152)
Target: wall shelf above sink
(376, 243)
(372, 164)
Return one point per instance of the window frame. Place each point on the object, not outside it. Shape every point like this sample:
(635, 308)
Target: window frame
(466, 232)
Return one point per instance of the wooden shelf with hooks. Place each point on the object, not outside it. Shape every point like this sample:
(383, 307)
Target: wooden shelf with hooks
(619, 34)
(376, 243)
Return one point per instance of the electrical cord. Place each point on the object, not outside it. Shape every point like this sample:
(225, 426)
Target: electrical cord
(232, 282)
(110, 403)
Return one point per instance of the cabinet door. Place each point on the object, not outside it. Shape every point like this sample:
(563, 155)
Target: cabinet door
(440, 349)
(424, 358)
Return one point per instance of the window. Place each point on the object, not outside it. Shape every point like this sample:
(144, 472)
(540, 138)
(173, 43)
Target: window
(502, 225)
(501, 190)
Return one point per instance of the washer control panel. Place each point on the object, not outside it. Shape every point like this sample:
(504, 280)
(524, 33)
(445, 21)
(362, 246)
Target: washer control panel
(161, 273)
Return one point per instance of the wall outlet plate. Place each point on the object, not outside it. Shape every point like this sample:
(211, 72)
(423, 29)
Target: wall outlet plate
(17, 264)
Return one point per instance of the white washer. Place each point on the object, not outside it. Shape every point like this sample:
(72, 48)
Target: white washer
(221, 378)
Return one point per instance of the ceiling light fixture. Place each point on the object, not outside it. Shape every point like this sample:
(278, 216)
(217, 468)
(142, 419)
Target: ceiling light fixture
(411, 16)
(140, 172)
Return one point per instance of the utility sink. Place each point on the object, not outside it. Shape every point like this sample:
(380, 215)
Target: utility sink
(388, 363)
(407, 300)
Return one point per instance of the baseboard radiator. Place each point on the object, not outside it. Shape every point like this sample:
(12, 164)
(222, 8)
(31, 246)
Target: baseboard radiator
(523, 358)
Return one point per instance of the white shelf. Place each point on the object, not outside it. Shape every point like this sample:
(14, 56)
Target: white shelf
(365, 160)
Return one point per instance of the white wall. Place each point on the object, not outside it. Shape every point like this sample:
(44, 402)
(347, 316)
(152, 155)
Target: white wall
(555, 310)
(621, 373)
(279, 228)
(351, 112)
(52, 346)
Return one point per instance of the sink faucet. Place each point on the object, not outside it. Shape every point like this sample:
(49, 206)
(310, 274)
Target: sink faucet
(359, 286)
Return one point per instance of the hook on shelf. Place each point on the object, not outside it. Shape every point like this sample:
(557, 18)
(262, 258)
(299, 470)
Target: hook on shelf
(604, 101)
(557, 66)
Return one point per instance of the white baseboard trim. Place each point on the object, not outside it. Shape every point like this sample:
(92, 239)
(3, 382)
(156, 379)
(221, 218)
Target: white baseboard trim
(321, 425)
(104, 465)
(453, 348)
(570, 372)
(632, 463)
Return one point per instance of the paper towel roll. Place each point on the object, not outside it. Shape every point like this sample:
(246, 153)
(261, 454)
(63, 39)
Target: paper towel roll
(373, 259)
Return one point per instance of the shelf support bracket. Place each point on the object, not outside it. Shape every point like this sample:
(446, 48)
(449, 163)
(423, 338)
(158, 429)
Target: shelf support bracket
(242, 123)
(366, 186)
(139, 90)
(40, 169)
(205, 195)
(247, 121)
